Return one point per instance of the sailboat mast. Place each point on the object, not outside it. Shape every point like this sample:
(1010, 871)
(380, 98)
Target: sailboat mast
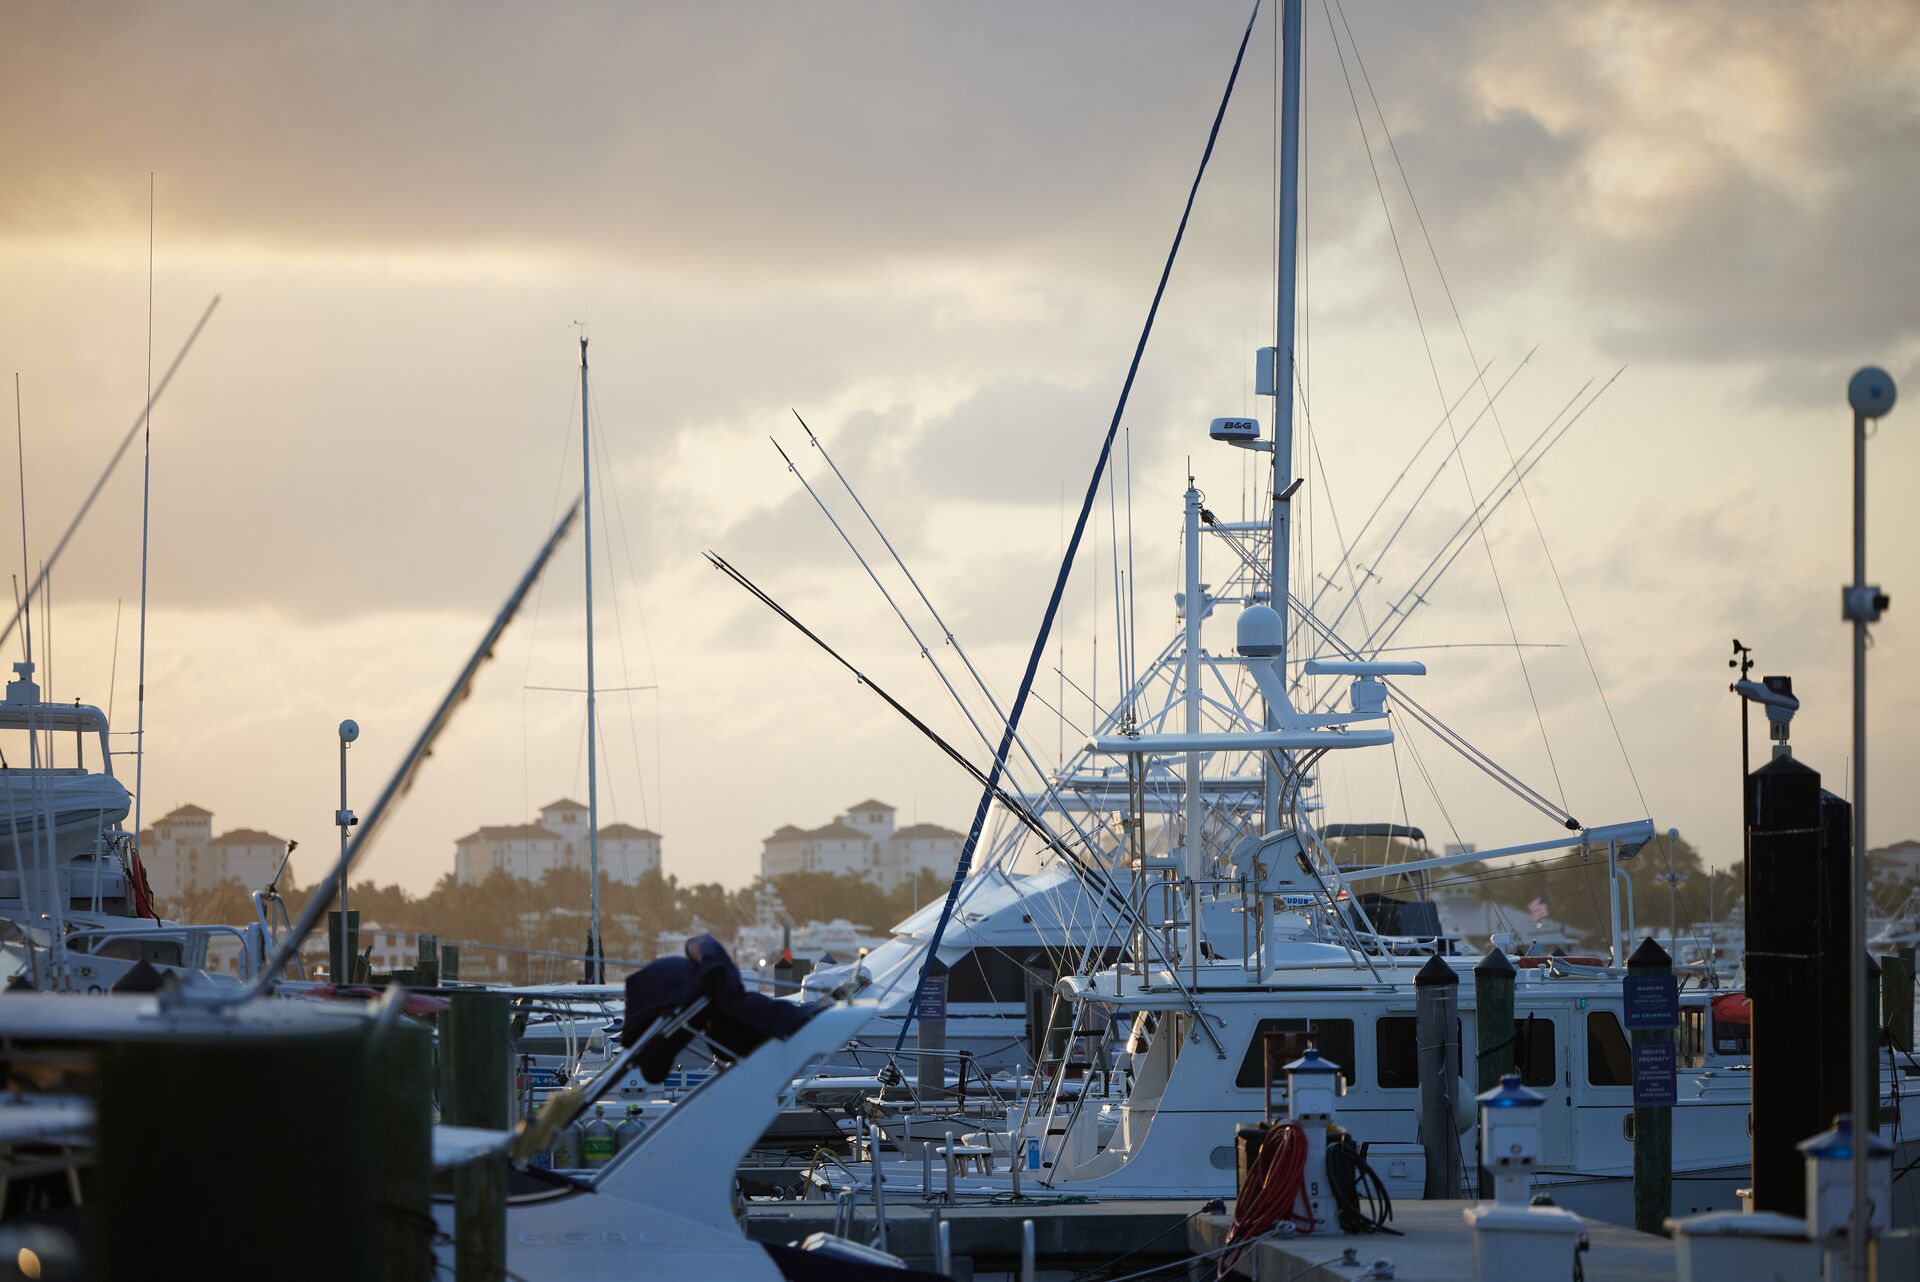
(593, 724)
(146, 503)
(1283, 366)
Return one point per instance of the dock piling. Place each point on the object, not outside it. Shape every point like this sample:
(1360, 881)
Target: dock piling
(1896, 998)
(1652, 1123)
(1437, 1012)
(1493, 981)
(479, 1093)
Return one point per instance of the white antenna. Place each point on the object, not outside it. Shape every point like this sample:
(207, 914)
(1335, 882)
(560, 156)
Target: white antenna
(20, 453)
(593, 727)
(146, 495)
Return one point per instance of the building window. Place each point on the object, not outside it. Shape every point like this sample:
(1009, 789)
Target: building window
(1334, 1037)
(1609, 1054)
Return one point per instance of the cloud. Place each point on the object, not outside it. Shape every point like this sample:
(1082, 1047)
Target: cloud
(934, 231)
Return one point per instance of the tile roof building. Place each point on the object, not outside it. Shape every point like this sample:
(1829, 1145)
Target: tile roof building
(864, 843)
(182, 856)
(558, 840)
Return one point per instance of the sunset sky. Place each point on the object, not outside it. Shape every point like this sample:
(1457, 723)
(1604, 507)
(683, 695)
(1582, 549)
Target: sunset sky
(934, 230)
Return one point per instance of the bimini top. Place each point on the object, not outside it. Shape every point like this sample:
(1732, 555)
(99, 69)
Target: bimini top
(1333, 832)
(738, 1021)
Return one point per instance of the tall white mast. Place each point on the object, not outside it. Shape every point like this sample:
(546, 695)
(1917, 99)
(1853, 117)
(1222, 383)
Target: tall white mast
(146, 495)
(1191, 854)
(593, 724)
(1283, 365)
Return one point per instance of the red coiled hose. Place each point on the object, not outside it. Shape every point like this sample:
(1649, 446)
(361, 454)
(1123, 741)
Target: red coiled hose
(1276, 1189)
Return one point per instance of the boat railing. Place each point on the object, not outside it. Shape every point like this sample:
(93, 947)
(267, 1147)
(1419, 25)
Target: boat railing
(99, 935)
(262, 914)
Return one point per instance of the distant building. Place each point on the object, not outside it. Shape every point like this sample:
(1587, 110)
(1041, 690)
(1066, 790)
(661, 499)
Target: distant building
(864, 843)
(558, 840)
(182, 856)
(1898, 862)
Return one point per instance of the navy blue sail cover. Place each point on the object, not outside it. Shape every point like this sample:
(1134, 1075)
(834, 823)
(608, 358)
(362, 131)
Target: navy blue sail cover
(738, 1020)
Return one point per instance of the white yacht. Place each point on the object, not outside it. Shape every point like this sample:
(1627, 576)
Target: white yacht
(73, 898)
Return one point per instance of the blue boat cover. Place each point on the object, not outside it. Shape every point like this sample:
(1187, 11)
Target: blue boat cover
(737, 1020)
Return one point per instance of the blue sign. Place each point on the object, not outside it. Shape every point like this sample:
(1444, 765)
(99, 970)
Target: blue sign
(933, 998)
(1650, 1001)
(1655, 1075)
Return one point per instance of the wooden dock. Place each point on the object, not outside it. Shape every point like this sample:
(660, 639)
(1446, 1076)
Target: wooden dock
(1433, 1243)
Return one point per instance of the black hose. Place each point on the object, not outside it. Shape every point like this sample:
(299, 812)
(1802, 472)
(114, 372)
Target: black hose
(1358, 1193)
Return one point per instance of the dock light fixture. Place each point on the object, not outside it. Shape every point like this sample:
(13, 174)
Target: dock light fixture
(1312, 1083)
(1510, 1138)
(1829, 1157)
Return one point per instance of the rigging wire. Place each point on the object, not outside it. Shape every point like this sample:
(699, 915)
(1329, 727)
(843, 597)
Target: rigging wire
(113, 462)
(1433, 367)
(604, 462)
(1049, 792)
(1079, 530)
(1371, 571)
(1443, 560)
(1460, 322)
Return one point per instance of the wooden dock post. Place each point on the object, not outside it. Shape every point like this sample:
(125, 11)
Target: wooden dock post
(479, 1086)
(1876, 978)
(1896, 998)
(1652, 1123)
(1493, 981)
(1437, 1012)
(399, 1070)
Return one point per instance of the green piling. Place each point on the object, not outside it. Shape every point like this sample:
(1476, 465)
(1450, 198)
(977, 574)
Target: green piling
(1493, 981)
(479, 1092)
(399, 1069)
(428, 967)
(343, 945)
(1875, 992)
(1652, 1126)
(318, 1115)
(1896, 998)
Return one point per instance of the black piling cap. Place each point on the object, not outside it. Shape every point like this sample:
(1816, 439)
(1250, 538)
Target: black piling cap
(1785, 766)
(1647, 955)
(1495, 965)
(141, 977)
(1435, 972)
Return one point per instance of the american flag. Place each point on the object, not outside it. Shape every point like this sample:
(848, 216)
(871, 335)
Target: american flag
(1537, 909)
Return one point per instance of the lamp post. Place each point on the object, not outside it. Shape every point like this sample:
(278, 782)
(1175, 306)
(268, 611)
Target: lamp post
(341, 963)
(1871, 394)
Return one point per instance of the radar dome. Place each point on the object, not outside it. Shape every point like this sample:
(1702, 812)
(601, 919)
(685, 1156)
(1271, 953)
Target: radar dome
(1260, 633)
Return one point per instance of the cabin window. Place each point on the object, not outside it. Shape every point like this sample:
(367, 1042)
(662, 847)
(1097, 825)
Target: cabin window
(992, 975)
(1693, 1037)
(1534, 1052)
(1609, 1055)
(1730, 1038)
(1396, 1052)
(1334, 1037)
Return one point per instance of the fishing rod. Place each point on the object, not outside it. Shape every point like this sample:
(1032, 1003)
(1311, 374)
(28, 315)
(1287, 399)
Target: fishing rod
(1091, 873)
